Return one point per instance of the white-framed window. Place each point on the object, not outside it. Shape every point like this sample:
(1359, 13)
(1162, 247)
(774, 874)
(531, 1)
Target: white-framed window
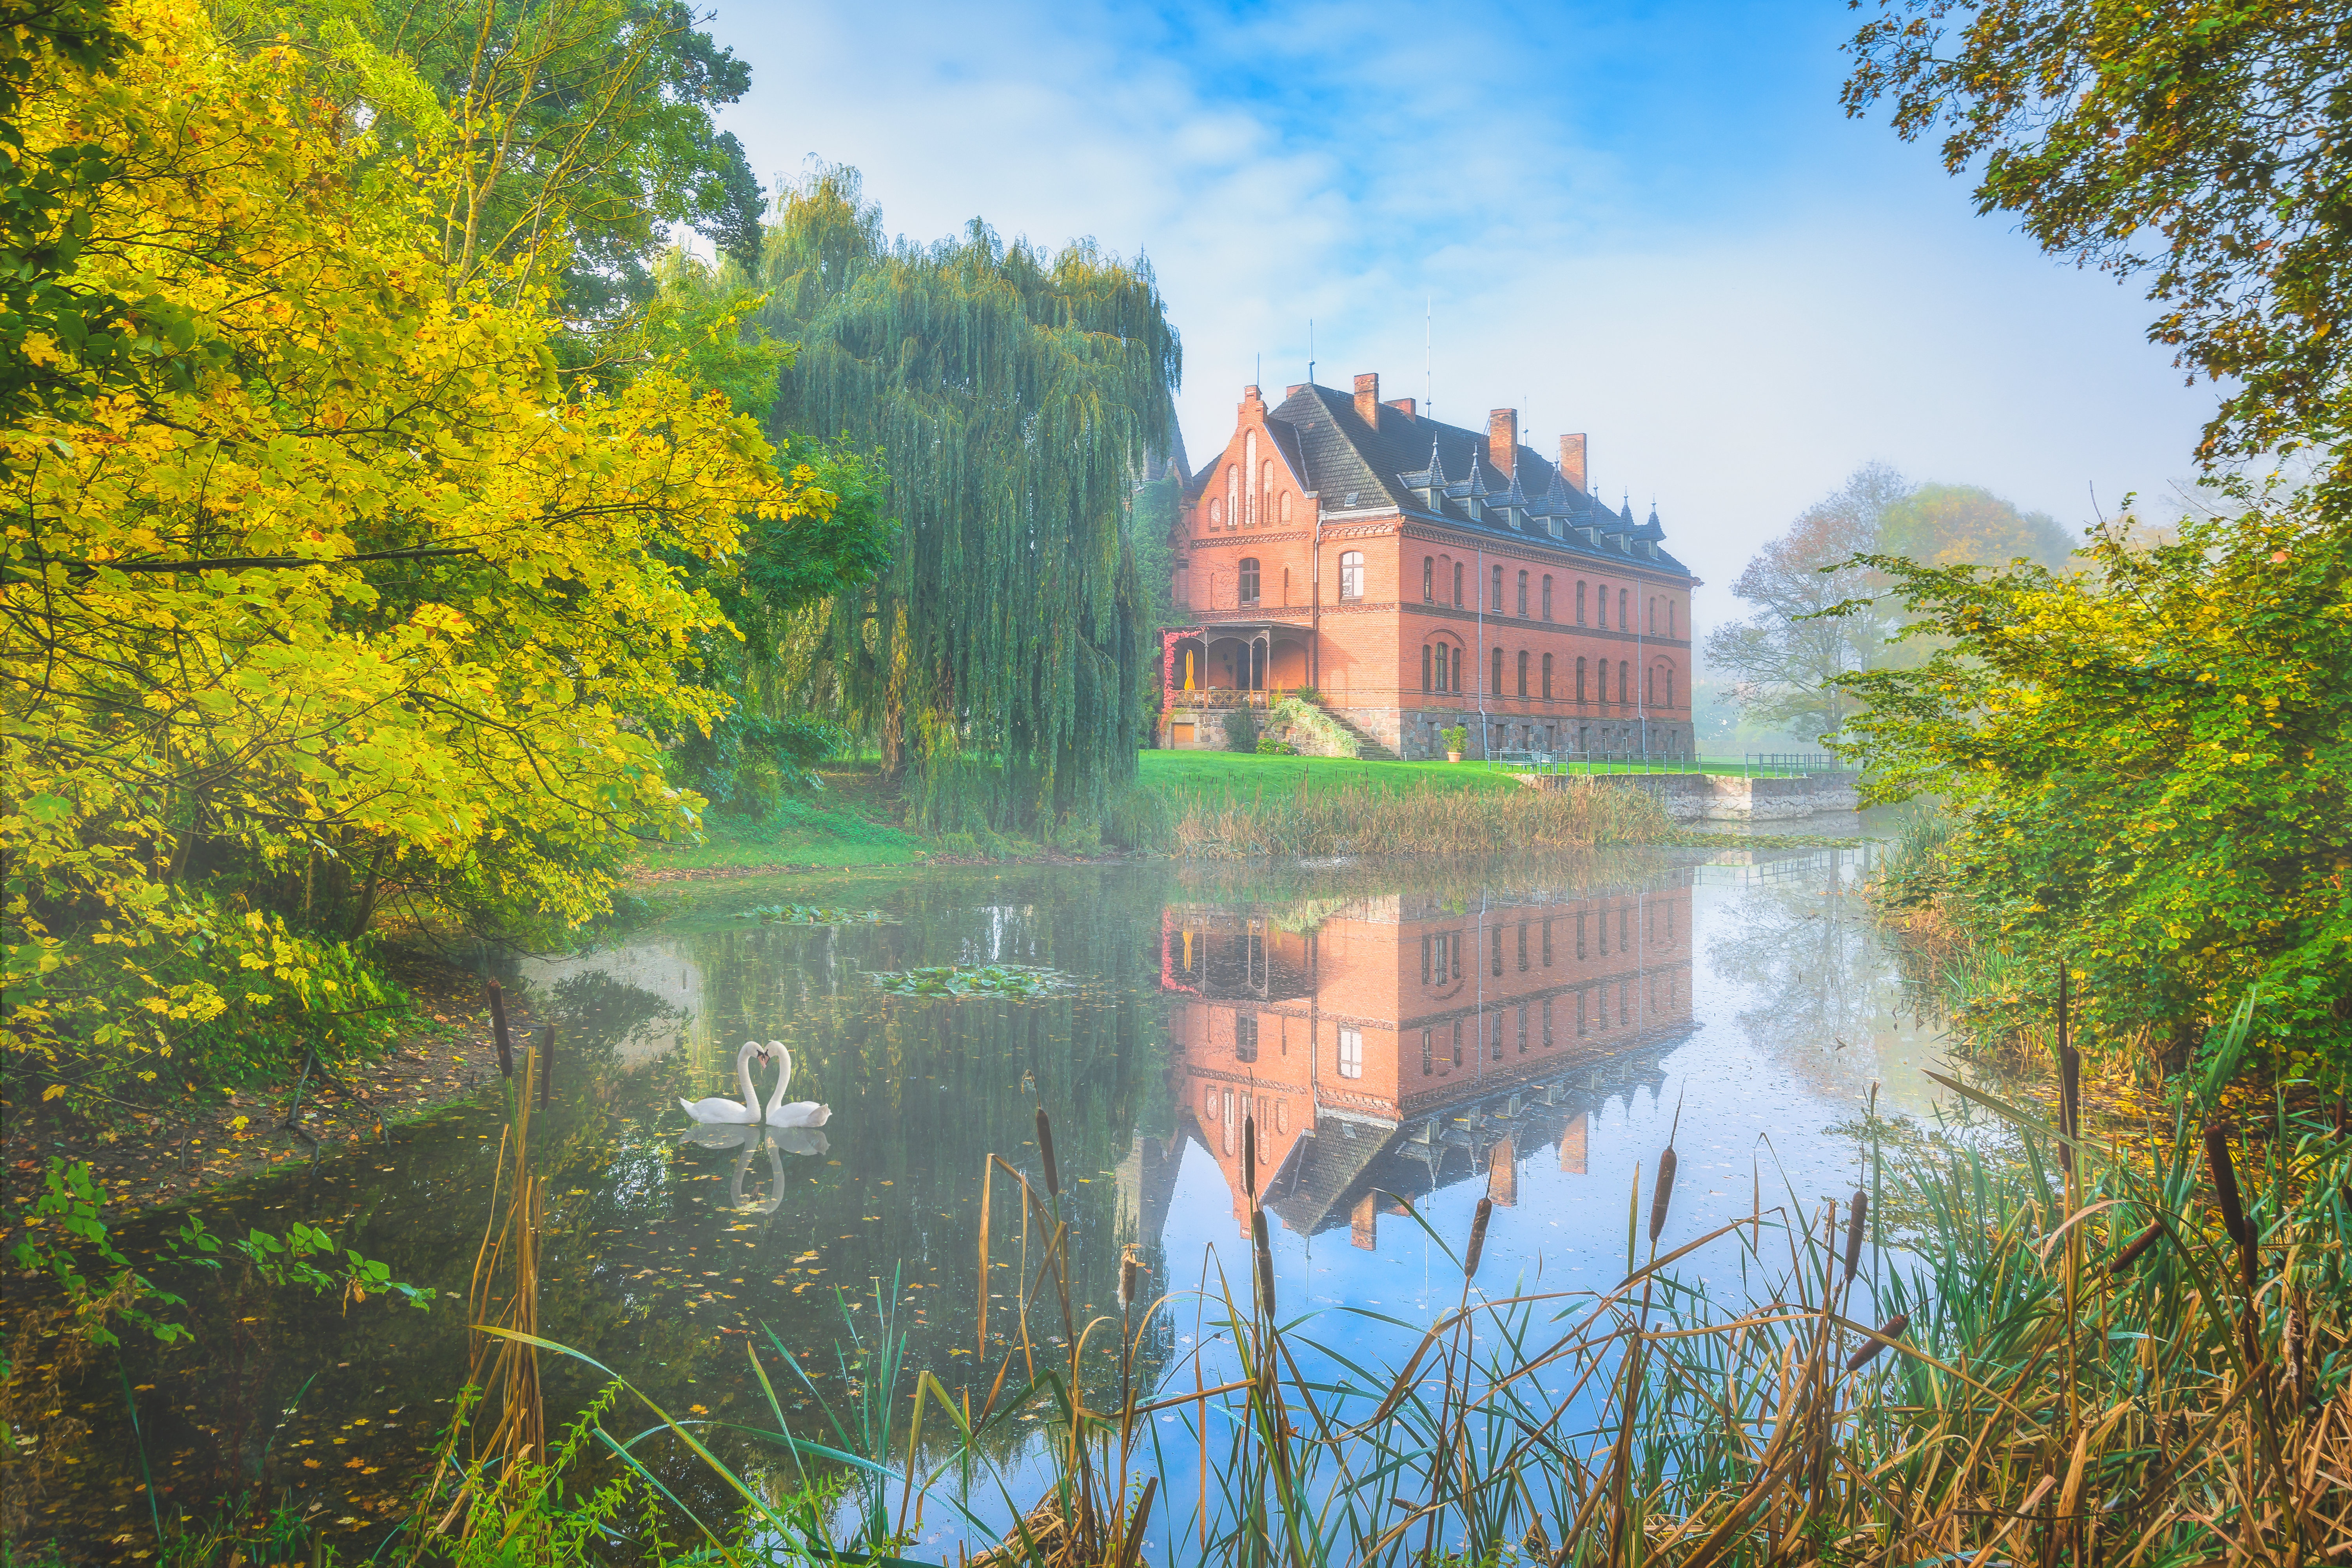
(1352, 1053)
(1351, 574)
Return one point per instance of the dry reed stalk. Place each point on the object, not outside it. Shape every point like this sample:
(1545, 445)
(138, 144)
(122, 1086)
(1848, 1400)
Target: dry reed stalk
(1354, 818)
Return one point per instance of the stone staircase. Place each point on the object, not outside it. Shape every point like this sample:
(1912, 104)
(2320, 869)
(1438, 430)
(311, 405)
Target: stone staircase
(1368, 747)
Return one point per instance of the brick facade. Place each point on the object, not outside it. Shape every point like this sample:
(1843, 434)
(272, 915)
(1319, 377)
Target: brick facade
(1417, 576)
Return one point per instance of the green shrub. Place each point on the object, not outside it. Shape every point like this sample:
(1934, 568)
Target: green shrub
(1240, 729)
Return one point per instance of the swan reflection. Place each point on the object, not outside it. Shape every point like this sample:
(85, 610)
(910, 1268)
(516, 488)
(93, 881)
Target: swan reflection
(777, 1141)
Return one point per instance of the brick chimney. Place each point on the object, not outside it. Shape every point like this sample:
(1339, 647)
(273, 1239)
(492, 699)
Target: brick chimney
(1571, 461)
(1503, 441)
(1368, 399)
(1407, 407)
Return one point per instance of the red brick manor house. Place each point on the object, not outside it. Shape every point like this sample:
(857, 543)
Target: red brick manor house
(1419, 575)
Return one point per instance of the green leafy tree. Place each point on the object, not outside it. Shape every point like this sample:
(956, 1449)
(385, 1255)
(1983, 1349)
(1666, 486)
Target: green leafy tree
(999, 664)
(2153, 764)
(2206, 146)
(1953, 525)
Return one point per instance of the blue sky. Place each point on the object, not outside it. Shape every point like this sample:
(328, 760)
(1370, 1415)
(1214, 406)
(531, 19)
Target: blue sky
(1651, 222)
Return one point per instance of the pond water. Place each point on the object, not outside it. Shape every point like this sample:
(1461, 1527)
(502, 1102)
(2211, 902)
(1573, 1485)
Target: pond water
(1412, 1032)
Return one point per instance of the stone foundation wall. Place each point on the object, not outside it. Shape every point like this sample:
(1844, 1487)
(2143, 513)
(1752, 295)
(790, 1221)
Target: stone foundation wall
(1719, 797)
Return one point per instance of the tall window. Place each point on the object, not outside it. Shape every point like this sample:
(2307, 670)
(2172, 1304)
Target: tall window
(1232, 495)
(1547, 596)
(1425, 686)
(1523, 595)
(1249, 579)
(1523, 947)
(1428, 580)
(1670, 618)
(1547, 944)
(1249, 450)
(1650, 687)
(1494, 680)
(1244, 1037)
(1601, 605)
(1265, 488)
(1494, 594)
(1624, 596)
(1580, 680)
(1286, 506)
(1457, 584)
(1653, 614)
(1424, 958)
(1579, 604)
(1444, 673)
(1352, 1053)
(1625, 677)
(1351, 574)
(1547, 678)
(1547, 1023)
(1523, 672)
(1428, 1062)
(1216, 512)
(1669, 684)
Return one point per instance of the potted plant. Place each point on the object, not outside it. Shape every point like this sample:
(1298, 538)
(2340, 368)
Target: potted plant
(1458, 741)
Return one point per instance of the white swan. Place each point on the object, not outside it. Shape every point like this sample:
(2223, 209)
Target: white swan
(801, 1113)
(718, 1109)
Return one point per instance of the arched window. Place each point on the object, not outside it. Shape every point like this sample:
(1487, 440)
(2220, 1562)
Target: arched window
(1579, 610)
(1547, 596)
(1216, 512)
(1650, 687)
(1249, 580)
(1523, 672)
(1444, 669)
(1580, 680)
(1457, 584)
(1625, 673)
(1351, 574)
(1601, 605)
(1428, 580)
(1265, 485)
(1286, 506)
(1523, 595)
(1669, 684)
(1624, 597)
(1670, 618)
(1547, 678)
(1250, 457)
(1233, 495)
(1495, 677)
(1494, 594)
(1425, 652)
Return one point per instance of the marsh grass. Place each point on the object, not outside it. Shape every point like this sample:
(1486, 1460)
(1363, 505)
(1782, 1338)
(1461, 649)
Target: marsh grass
(1311, 822)
(2114, 1363)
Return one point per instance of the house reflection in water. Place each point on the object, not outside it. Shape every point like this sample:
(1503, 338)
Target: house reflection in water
(1400, 1044)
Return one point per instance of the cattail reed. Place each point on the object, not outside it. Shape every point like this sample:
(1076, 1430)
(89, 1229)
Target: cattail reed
(1046, 1153)
(1249, 1156)
(1857, 1215)
(2070, 1084)
(1662, 1196)
(498, 1028)
(1890, 1330)
(1265, 1251)
(2132, 1253)
(2225, 1189)
(1477, 1238)
(1128, 1269)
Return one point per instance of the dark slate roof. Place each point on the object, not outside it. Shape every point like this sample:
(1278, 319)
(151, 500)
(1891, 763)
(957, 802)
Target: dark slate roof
(1433, 471)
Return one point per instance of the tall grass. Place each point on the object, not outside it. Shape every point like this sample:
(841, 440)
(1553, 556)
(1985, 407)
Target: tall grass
(1363, 819)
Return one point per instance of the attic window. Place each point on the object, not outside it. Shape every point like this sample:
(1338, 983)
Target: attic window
(1351, 496)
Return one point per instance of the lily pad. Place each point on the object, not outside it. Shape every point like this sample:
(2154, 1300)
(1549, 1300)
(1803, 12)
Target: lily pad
(972, 980)
(810, 915)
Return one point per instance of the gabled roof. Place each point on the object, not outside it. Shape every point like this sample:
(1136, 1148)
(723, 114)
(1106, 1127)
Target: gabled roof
(1402, 462)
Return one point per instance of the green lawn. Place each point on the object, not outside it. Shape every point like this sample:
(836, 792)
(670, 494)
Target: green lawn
(1241, 772)
(827, 833)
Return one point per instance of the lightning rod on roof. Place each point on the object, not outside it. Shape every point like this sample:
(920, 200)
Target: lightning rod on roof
(1428, 329)
(1310, 351)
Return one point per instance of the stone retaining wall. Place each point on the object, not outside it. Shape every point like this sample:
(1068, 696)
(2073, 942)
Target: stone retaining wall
(1720, 797)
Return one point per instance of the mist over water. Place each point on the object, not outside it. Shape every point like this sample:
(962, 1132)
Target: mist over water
(1403, 1037)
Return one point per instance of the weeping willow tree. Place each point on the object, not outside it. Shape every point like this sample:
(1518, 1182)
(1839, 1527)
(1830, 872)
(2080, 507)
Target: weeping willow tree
(997, 664)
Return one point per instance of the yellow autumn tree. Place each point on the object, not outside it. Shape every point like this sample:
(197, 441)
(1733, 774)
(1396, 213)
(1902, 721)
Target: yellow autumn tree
(347, 603)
